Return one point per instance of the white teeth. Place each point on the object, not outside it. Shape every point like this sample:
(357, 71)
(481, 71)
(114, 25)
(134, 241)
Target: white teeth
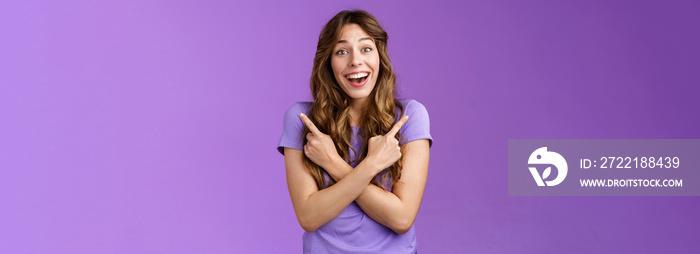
(357, 75)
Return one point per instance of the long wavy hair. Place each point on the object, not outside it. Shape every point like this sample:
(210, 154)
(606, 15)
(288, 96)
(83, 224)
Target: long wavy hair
(330, 108)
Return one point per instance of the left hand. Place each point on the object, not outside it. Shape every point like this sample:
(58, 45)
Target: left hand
(320, 148)
(384, 150)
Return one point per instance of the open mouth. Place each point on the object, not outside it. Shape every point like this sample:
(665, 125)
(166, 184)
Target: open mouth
(357, 79)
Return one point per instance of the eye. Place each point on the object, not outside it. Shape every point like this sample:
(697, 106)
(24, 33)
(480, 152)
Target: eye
(341, 52)
(366, 49)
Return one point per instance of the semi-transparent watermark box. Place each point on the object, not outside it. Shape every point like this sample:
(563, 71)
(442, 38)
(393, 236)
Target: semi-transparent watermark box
(604, 167)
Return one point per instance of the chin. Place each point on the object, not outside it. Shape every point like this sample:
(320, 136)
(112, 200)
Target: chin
(356, 95)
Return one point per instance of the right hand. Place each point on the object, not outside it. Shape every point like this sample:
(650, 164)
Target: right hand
(384, 151)
(319, 147)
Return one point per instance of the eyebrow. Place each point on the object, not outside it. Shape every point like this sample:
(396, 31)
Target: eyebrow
(361, 39)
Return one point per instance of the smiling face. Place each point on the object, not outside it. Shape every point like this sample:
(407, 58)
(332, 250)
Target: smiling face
(355, 62)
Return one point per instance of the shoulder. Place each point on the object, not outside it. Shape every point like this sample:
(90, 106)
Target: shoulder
(291, 116)
(292, 126)
(418, 124)
(412, 106)
(413, 109)
(298, 107)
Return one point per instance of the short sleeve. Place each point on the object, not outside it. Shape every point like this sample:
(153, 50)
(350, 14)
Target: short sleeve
(292, 128)
(418, 124)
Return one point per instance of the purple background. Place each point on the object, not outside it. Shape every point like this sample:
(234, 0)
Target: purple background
(151, 126)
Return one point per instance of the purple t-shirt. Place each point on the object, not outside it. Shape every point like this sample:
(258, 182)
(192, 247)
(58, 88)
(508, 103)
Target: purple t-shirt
(353, 231)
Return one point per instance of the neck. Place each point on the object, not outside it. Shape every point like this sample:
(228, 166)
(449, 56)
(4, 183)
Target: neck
(357, 109)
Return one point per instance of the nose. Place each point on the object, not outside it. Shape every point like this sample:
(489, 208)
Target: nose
(356, 59)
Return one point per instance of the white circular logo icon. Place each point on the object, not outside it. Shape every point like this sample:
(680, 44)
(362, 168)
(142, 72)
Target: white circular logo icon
(543, 157)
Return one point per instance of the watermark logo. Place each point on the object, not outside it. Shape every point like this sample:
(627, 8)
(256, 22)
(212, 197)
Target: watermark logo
(604, 167)
(543, 157)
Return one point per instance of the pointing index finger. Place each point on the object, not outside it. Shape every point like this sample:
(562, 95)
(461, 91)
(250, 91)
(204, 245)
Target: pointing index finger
(397, 126)
(309, 124)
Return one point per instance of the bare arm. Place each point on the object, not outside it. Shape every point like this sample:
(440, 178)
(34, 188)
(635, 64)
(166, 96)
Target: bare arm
(313, 207)
(397, 210)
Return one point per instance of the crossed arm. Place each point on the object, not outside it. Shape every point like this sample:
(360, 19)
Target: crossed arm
(396, 210)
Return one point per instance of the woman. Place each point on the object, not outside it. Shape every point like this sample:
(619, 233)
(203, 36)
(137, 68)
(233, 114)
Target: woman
(358, 163)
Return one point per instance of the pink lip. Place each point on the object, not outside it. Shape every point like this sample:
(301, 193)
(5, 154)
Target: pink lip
(357, 84)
